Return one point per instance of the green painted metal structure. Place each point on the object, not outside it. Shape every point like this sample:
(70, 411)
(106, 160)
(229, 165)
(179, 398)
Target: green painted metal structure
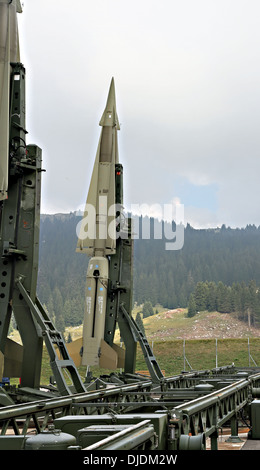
(171, 422)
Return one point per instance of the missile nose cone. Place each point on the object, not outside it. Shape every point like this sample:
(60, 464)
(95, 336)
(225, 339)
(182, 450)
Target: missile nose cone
(109, 117)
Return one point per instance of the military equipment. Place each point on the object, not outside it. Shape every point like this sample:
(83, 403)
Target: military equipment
(109, 276)
(106, 236)
(100, 241)
(9, 53)
(134, 412)
(20, 179)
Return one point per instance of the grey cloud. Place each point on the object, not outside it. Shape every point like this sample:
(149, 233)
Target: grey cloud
(187, 84)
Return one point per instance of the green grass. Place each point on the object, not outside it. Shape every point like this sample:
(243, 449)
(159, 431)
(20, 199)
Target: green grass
(201, 355)
(166, 332)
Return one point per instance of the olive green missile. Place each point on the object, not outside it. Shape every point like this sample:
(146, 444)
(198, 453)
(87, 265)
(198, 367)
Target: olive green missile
(9, 53)
(97, 237)
(98, 231)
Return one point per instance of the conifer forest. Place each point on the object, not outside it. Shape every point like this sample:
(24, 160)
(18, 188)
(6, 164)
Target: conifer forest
(217, 269)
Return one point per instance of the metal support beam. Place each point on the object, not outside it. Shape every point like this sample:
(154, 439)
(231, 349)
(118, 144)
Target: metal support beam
(207, 414)
(19, 233)
(54, 343)
(140, 435)
(152, 364)
(234, 430)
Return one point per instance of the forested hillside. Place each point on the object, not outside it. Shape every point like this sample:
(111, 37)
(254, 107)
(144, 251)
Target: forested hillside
(240, 298)
(62, 271)
(168, 277)
(165, 277)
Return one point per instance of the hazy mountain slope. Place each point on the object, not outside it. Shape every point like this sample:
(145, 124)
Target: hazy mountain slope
(174, 324)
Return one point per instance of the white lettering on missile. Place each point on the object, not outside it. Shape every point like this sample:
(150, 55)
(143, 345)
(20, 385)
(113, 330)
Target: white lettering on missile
(100, 304)
(88, 305)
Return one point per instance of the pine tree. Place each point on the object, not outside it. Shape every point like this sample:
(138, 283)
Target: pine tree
(147, 309)
(192, 306)
(58, 307)
(223, 300)
(211, 299)
(139, 323)
(200, 296)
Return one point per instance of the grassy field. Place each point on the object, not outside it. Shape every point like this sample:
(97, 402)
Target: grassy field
(201, 354)
(166, 332)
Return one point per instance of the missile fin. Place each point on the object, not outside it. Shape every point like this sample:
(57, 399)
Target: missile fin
(90, 352)
(108, 356)
(11, 360)
(120, 355)
(74, 350)
(19, 6)
(87, 233)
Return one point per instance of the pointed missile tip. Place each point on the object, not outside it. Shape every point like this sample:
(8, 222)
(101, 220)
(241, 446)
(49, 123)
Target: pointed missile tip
(112, 86)
(111, 99)
(109, 117)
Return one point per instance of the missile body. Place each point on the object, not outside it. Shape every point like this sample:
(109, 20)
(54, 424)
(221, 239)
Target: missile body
(95, 309)
(97, 236)
(9, 53)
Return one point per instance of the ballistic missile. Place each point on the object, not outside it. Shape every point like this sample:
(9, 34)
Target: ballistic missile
(97, 238)
(9, 53)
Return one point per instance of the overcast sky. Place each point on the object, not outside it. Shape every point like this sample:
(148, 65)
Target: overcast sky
(187, 77)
